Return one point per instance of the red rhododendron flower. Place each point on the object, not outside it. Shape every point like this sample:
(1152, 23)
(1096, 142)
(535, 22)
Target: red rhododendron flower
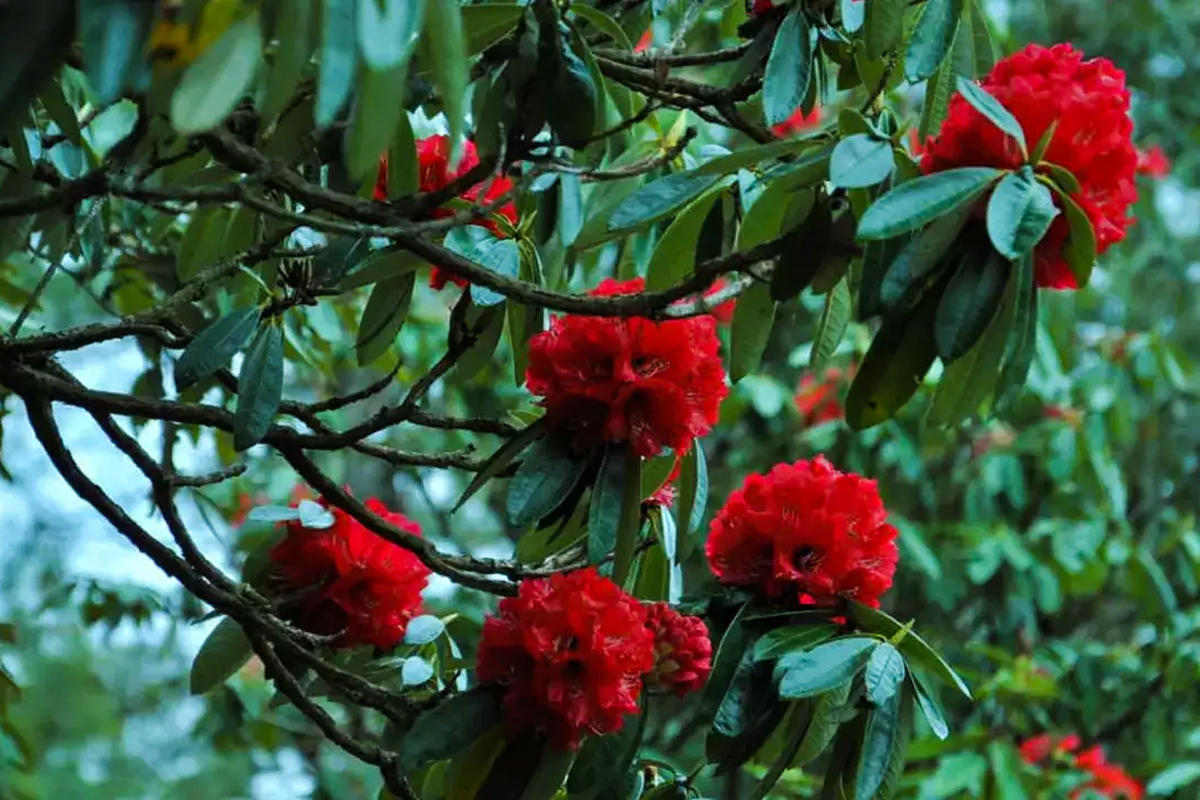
(433, 158)
(797, 123)
(645, 42)
(571, 651)
(805, 531)
(355, 583)
(1108, 780)
(1089, 102)
(1153, 162)
(683, 650)
(664, 496)
(610, 379)
(1038, 748)
(817, 398)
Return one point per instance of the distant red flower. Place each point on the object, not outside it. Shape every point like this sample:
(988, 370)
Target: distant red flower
(610, 379)
(355, 583)
(805, 531)
(1153, 162)
(433, 157)
(760, 6)
(570, 651)
(1108, 780)
(797, 123)
(645, 42)
(1038, 748)
(683, 650)
(1089, 102)
(817, 398)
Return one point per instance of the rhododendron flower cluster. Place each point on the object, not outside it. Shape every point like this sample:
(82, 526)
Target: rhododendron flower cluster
(572, 651)
(1153, 163)
(1105, 779)
(805, 533)
(683, 650)
(433, 159)
(351, 582)
(1088, 103)
(798, 122)
(817, 398)
(609, 379)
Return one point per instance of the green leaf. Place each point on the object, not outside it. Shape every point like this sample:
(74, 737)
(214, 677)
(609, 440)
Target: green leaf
(386, 29)
(608, 495)
(789, 69)
(220, 657)
(294, 34)
(630, 520)
(674, 257)
(861, 160)
(1063, 177)
(604, 760)
(884, 674)
(1019, 213)
(930, 708)
(113, 33)
(1174, 778)
(216, 81)
(791, 639)
(501, 459)
(932, 39)
(753, 317)
(826, 717)
(1006, 768)
(726, 657)
(884, 26)
(488, 329)
(1080, 248)
(260, 387)
(383, 317)
(545, 477)
(378, 107)
(658, 199)
(604, 24)
(804, 247)
(970, 302)
(404, 173)
(899, 358)
(33, 41)
(214, 346)
(502, 258)
(831, 325)
(966, 383)
(381, 265)
(60, 112)
(915, 648)
(1164, 593)
(983, 46)
(338, 59)
(840, 771)
(573, 110)
(911, 205)
(449, 727)
(882, 758)
(485, 25)
(778, 203)
(551, 773)
(813, 672)
(415, 671)
(938, 92)
(797, 722)
(920, 263)
(693, 492)
(570, 209)
(448, 49)
(746, 718)
(992, 109)
(852, 14)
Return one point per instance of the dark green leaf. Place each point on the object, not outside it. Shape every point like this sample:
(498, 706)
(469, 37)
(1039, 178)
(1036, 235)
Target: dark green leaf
(674, 257)
(791, 639)
(570, 209)
(1063, 177)
(487, 331)
(789, 69)
(572, 108)
(485, 25)
(779, 206)
(970, 302)
(384, 316)
(992, 109)
(1019, 213)
(813, 672)
(827, 715)
(693, 493)
(215, 82)
(753, 317)
(260, 387)
(938, 92)
(746, 718)
(805, 245)
(448, 48)
(545, 477)
(884, 674)
(917, 267)
(502, 258)
(61, 112)
(726, 657)
(861, 160)
(403, 170)
(500, 459)
(658, 199)
(1018, 354)
(338, 59)
(841, 770)
(882, 758)
(913, 646)
(550, 775)
(884, 26)
(113, 33)
(932, 39)
(1080, 248)
(1006, 769)
(604, 760)
(223, 653)
(899, 358)
(831, 325)
(378, 107)
(33, 40)
(294, 34)
(608, 494)
(983, 46)
(930, 708)
(604, 24)
(630, 522)
(449, 727)
(214, 346)
(386, 29)
(382, 265)
(911, 205)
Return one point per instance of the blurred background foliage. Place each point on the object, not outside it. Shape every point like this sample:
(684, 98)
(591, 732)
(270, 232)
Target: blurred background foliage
(1051, 555)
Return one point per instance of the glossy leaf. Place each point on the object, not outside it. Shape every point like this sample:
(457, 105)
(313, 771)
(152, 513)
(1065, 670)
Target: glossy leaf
(970, 302)
(604, 760)
(789, 69)
(675, 256)
(386, 29)
(60, 111)
(930, 708)
(378, 107)
(884, 743)
(920, 262)
(113, 34)
(658, 199)
(294, 33)
(423, 629)
(449, 727)
(813, 672)
(911, 205)
(223, 653)
(503, 456)
(1019, 213)
(914, 648)
(608, 493)
(544, 478)
(884, 26)
(932, 39)
(753, 317)
(415, 671)
(484, 25)
(337, 57)
(861, 160)
(487, 331)
(260, 387)
(448, 49)
(215, 346)
(216, 81)
(384, 316)
(831, 325)
(993, 110)
(828, 710)
(791, 639)
(884, 674)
